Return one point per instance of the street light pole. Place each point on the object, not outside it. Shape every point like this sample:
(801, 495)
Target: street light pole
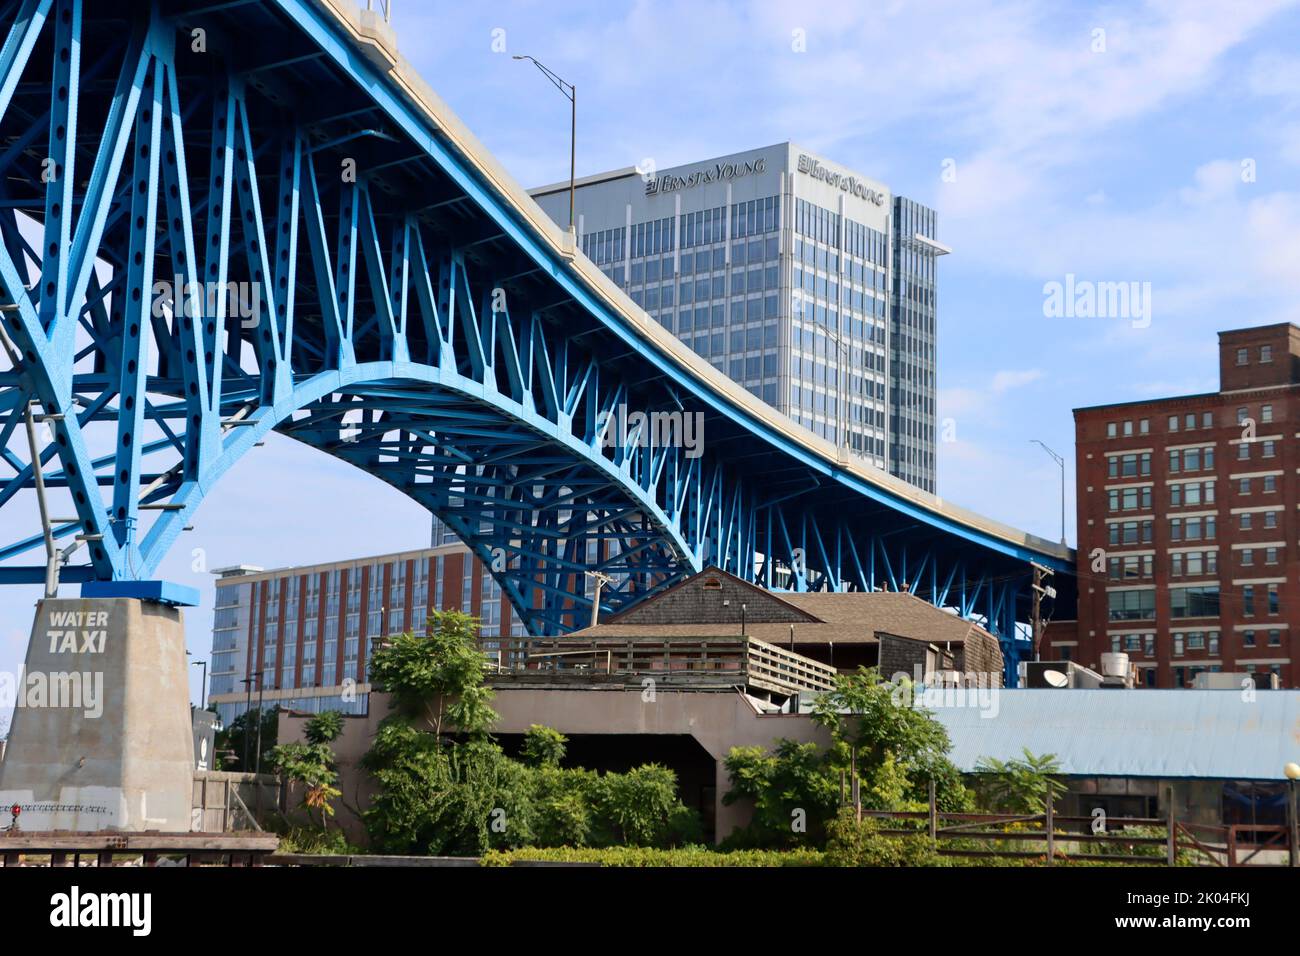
(248, 713)
(203, 684)
(257, 757)
(571, 94)
(1061, 464)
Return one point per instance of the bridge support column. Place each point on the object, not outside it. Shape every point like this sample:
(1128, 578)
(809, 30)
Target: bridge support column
(101, 736)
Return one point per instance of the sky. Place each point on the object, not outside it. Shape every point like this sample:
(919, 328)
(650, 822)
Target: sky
(1152, 144)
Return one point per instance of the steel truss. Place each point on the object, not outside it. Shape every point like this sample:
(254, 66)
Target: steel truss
(186, 265)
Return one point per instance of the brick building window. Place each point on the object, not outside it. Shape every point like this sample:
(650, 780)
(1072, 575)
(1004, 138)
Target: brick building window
(1196, 601)
(1132, 605)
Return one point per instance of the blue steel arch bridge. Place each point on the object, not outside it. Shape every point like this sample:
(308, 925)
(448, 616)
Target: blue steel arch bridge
(219, 219)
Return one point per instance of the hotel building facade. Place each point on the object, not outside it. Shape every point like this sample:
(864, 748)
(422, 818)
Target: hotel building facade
(1188, 523)
(307, 630)
(808, 284)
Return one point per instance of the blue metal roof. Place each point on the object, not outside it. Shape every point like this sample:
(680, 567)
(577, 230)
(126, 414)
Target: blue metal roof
(1213, 734)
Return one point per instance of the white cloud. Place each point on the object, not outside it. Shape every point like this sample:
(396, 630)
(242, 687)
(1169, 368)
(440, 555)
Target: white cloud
(1274, 74)
(1006, 380)
(1214, 182)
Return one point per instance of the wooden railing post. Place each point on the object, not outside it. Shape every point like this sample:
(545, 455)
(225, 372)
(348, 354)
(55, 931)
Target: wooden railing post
(1050, 824)
(853, 784)
(1293, 825)
(934, 813)
(1171, 844)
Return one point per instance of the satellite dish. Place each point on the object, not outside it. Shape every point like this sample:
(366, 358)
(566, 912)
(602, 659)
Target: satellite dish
(1056, 678)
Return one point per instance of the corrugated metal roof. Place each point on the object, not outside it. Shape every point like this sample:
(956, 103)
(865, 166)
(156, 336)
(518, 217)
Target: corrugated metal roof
(1131, 733)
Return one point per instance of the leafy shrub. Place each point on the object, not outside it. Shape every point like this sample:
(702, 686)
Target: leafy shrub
(853, 843)
(1019, 785)
(641, 808)
(450, 789)
(543, 746)
(309, 840)
(563, 802)
(685, 856)
(324, 728)
(790, 779)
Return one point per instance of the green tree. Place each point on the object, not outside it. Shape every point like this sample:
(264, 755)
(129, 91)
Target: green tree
(1019, 786)
(453, 790)
(440, 798)
(792, 789)
(641, 808)
(543, 746)
(438, 676)
(324, 728)
(438, 795)
(564, 800)
(312, 765)
(879, 733)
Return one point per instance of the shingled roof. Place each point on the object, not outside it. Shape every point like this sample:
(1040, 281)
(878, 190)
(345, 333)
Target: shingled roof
(817, 617)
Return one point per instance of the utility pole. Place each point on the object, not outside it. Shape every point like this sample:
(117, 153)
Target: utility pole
(1040, 591)
(601, 579)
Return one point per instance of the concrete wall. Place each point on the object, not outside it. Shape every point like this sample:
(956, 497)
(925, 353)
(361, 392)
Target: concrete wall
(717, 722)
(102, 737)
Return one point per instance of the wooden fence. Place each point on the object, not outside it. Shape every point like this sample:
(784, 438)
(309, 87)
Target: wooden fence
(1080, 838)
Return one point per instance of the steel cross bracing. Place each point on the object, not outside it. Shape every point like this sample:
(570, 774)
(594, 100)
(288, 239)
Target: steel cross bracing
(199, 246)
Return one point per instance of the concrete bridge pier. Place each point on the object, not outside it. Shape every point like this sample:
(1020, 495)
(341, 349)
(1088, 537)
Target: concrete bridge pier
(101, 736)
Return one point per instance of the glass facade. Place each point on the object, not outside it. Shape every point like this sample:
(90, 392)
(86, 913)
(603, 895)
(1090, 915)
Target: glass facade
(837, 330)
(828, 318)
(912, 346)
(713, 278)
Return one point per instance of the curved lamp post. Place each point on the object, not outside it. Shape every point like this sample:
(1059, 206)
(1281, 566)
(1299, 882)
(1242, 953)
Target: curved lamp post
(571, 94)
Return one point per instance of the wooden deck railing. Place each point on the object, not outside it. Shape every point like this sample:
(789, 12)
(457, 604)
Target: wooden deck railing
(715, 661)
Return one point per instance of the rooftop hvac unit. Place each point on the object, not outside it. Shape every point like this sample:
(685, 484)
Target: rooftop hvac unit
(1061, 675)
(1117, 671)
(1229, 680)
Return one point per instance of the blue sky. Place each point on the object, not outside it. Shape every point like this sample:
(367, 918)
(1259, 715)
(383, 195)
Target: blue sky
(1164, 149)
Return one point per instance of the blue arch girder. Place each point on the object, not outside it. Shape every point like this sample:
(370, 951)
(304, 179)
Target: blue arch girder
(219, 220)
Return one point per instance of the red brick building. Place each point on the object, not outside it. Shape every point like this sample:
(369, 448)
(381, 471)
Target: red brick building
(1187, 511)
